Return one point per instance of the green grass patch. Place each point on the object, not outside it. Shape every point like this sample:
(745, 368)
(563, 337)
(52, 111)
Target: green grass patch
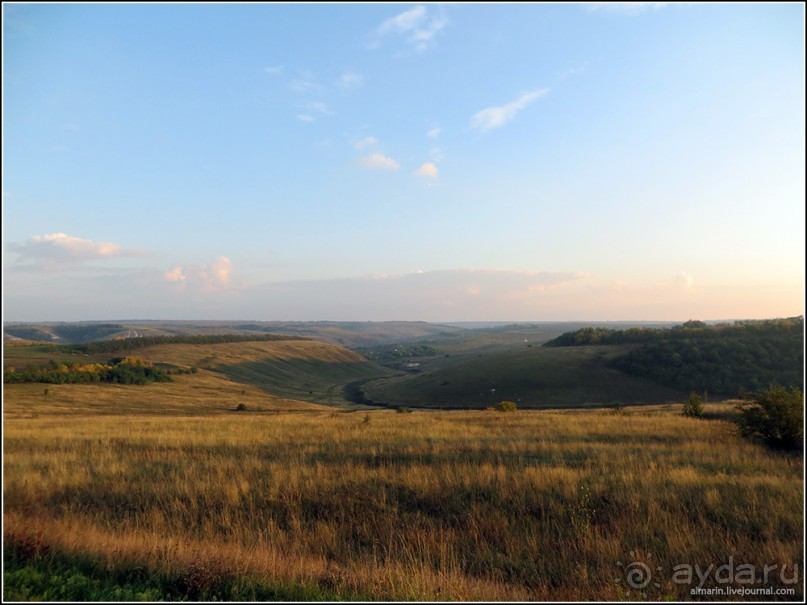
(60, 577)
(303, 379)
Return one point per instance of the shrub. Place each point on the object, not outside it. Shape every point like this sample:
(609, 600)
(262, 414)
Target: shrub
(402, 409)
(693, 408)
(506, 406)
(776, 416)
(241, 407)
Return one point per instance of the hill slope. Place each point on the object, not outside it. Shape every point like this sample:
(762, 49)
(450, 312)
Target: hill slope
(531, 376)
(265, 376)
(301, 369)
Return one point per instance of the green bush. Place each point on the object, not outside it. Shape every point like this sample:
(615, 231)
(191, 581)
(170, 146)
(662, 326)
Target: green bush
(693, 408)
(506, 406)
(402, 409)
(241, 407)
(775, 416)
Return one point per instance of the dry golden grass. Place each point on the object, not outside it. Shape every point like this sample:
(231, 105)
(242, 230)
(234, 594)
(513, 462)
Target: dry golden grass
(212, 356)
(430, 505)
(202, 393)
(206, 392)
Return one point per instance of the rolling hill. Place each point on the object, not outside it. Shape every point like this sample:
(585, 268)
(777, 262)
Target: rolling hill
(265, 376)
(531, 376)
(343, 333)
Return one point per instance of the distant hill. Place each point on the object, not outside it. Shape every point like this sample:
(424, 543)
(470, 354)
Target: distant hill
(347, 334)
(64, 333)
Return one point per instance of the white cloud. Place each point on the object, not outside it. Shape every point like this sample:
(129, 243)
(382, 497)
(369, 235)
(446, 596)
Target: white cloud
(403, 22)
(220, 270)
(350, 79)
(304, 117)
(415, 25)
(493, 117)
(428, 170)
(273, 70)
(434, 132)
(207, 278)
(379, 161)
(61, 251)
(77, 246)
(625, 8)
(367, 141)
(175, 275)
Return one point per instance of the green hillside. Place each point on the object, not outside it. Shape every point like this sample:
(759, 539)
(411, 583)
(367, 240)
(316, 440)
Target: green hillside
(721, 359)
(531, 376)
(303, 379)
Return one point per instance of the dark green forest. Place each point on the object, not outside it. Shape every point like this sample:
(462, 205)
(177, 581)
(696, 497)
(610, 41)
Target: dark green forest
(726, 359)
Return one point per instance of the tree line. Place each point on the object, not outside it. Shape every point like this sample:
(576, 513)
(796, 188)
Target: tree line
(723, 359)
(122, 370)
(130, 344)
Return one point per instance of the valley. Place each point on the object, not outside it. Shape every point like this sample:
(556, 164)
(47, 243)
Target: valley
(292, 468)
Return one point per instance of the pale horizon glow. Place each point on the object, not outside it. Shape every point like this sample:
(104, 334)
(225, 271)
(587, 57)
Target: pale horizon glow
(515, 162)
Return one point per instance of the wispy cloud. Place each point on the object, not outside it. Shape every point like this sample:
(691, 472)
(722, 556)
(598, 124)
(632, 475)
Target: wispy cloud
(274, 71)
(493, 117)
(59, 251)
(378, 161)
(427, 169)
(426, 295)
(305, 83)
(304, 117)
(574, 71)
(319, 107)
(625, 8)
(415, 26)
(366, 142)
(437, 154)
(350, 79)
(434, 132)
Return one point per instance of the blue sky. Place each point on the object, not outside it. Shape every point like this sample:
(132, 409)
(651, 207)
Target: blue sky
(403, 161)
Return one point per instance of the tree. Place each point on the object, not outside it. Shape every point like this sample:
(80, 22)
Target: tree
(776, 416)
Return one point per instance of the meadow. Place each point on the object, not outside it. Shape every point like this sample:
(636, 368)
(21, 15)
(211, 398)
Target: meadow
(314, 503)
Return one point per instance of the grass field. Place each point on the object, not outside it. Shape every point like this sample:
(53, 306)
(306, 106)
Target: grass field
(378, 505)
